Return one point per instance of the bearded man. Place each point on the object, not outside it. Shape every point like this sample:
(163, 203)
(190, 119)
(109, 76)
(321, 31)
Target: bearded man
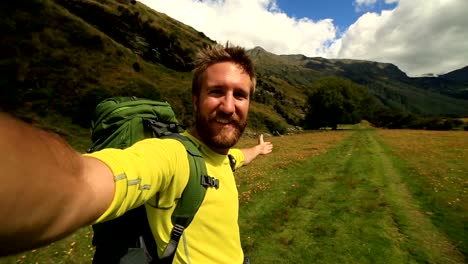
(63, 190)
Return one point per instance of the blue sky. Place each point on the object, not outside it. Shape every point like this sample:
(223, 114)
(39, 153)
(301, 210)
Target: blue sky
(344, 13)
(420, 37)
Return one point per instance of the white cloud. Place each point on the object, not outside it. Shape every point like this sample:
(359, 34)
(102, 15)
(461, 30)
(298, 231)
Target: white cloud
(251, 23)
(361, 5)
(365, 2)
(419, 36)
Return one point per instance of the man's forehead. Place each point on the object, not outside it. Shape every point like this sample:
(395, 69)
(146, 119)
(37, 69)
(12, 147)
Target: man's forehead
(225, 65)
(227, 72)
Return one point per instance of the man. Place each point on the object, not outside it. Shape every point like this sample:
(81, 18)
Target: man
(48, 190)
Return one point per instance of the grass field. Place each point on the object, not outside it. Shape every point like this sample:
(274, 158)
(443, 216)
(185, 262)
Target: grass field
(355, 196)
(438, 162)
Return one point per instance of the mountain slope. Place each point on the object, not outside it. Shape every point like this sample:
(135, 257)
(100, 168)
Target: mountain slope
(61, 57)
(65, 56)
(460, 75)
(390, 86)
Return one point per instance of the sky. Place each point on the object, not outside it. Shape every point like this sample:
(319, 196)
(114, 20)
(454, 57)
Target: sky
(419, 36)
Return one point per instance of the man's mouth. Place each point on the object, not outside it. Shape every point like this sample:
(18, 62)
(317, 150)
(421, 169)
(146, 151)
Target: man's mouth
(223, 121)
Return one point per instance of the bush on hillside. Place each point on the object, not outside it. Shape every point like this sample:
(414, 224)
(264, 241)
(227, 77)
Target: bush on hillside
(397, 120)
(287, 114)
(444, 124)
(258, 121)
(275, 127)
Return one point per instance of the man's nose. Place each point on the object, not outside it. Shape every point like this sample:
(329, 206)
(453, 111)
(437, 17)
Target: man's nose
(228, 105)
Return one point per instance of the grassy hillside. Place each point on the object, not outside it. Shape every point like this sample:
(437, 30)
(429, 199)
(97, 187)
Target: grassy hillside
(65, 56)
(59, 58)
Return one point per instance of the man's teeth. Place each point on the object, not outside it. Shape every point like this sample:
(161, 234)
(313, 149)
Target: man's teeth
(223, 121)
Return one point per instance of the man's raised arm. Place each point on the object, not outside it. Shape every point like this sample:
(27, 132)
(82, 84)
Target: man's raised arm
(47, 189)
(261, 148)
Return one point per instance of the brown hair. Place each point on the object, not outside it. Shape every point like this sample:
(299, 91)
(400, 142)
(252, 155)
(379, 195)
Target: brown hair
(217, 53)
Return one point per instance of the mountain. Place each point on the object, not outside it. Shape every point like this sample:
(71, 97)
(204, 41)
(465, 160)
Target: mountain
(460, 75)
(291, 75)
(61, 57)
(64, 56)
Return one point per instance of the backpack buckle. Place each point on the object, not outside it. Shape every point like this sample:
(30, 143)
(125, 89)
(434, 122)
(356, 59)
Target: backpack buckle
(232, 162)
(177, 232)
(208, 181)
(171, 246)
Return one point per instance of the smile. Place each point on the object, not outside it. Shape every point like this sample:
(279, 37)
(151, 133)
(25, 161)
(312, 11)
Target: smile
(223, 121)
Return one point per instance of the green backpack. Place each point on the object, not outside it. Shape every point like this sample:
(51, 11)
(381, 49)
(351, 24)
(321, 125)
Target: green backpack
(119, 122)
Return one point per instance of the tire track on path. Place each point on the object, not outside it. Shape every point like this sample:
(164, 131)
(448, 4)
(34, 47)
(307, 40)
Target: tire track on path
(410, 221)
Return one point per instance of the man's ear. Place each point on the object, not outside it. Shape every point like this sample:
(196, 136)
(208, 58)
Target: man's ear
(195, 103)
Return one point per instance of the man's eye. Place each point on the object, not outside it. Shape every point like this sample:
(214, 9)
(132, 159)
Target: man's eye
(241, 95)
(216, 92)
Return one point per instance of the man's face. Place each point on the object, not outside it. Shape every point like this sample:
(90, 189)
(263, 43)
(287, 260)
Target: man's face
(222, 106)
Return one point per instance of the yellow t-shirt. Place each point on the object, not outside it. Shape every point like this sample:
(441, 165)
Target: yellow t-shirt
(154, 172)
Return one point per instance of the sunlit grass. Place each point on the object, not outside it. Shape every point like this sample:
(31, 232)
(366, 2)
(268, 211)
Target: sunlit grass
(376, 196)
(348, 205)
(286, 151)
(440, 160)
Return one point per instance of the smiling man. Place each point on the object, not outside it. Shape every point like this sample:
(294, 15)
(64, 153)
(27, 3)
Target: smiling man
(67, 190)
(221, 105)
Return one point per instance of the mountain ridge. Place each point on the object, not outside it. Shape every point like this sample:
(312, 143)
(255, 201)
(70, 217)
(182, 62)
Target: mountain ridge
(64, 56)
(385, 81)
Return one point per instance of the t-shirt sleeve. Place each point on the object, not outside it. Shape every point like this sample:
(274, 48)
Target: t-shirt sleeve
(238, 155)
(148, 167)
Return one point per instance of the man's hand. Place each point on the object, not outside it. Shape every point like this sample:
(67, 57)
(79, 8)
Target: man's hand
(261, 148)
(264, 147)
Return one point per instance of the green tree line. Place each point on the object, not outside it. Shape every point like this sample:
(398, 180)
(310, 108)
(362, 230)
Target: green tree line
(334, 100)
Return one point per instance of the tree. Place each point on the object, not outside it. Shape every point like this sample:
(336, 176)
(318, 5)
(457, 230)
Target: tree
(336, 100)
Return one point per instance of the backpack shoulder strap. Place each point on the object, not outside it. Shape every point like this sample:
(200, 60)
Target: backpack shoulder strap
(192, 196)
(194, 192)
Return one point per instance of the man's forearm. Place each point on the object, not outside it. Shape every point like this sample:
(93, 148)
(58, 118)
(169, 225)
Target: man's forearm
(250, 154)
(44, 190)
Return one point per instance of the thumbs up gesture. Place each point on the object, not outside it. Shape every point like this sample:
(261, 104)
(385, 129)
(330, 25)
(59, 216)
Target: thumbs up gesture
(264, 147)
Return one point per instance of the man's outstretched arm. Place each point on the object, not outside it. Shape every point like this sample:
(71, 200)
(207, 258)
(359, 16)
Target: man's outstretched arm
(261, 148)
(47, 190)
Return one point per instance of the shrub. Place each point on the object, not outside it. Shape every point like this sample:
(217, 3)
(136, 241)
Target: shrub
(259, 121)
(256, 121)
(136, 67)
(444, 124)
(274, 126)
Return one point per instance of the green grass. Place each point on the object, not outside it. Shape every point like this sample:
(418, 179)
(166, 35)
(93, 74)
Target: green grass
(349, 205)
(437, 163)
(327, 197)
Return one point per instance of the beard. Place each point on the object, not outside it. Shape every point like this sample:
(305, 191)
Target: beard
(219, 138)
